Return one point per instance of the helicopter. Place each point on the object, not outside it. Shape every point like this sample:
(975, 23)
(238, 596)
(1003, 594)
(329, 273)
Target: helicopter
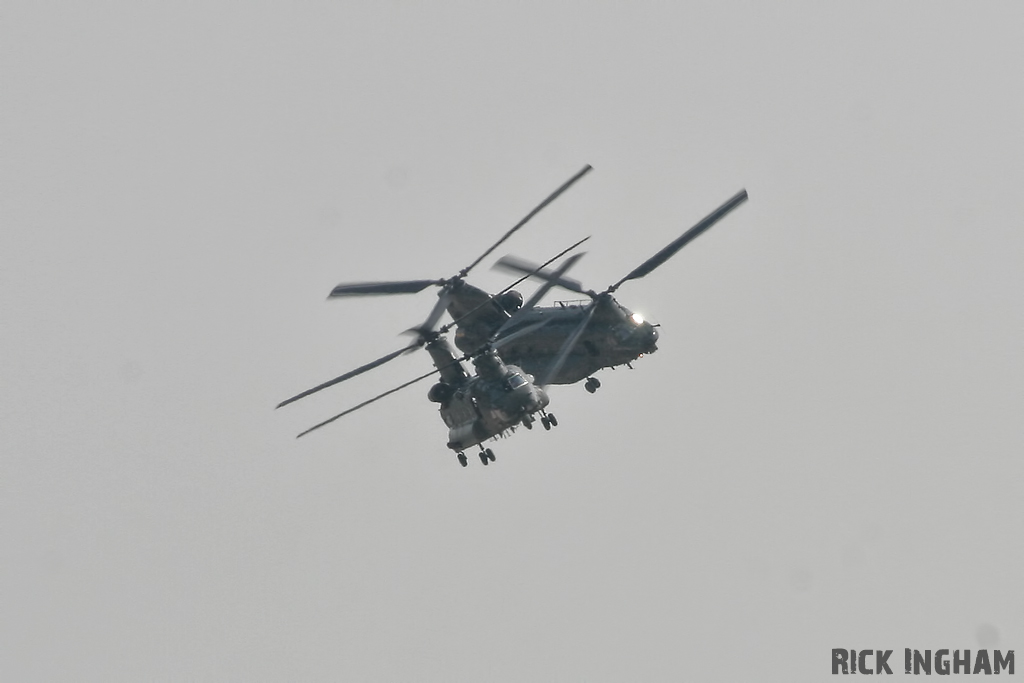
(608, 333)
(571, 340)
(498, 397)
(535, 342)
(474, 407)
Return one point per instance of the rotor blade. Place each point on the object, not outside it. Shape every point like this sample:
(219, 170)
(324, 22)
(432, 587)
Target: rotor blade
(435, 314)
(348, 375)
(684, 239)
(538, 295)
(569, 345)
(366, 403)
(519, 281)
(548, 284)
(545, 265)
(372, 288)
(514, 264)
(511, 337)
(552, 197)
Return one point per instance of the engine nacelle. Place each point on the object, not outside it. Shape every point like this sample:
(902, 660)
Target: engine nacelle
(466, 435)
(511, 301)
(440, 393)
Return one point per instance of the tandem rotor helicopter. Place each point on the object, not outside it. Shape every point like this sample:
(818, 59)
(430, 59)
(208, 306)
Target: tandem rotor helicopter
(511, 344)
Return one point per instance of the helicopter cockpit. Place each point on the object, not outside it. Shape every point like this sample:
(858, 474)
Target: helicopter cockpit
(514, 381)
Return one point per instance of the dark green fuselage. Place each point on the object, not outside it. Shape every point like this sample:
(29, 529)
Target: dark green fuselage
(612, 337)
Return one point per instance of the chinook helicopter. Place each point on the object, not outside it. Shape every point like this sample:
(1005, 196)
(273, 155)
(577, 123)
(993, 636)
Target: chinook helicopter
(560, 344)
(499, 396)
(477, 407)
(583, 337)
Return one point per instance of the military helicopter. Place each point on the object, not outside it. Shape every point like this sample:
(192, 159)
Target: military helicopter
(475, 407)
(576, 339)
(607, 333)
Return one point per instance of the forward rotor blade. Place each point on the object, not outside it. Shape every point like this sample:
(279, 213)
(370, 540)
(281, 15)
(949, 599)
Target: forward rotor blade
(548, 284)
(366, 403)
(569, 345)
(349, 375)
(514, 264)
(538, 295)
(373, 288)
(552, 197)
(684, 239)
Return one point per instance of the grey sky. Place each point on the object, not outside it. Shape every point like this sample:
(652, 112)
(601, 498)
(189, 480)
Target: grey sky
(826, 451)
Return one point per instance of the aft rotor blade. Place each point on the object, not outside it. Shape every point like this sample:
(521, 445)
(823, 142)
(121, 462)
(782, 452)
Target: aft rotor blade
(514, 264)
(569, 345)
(366, 403)
(684, 239)
(373, 288)
(552, 197)
(349, 375)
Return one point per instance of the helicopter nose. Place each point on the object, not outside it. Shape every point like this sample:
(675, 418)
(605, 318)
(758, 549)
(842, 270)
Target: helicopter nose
(652, 338)
(538, 400)
(526, 399)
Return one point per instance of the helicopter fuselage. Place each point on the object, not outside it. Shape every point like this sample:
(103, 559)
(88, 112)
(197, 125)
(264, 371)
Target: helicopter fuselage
(614, 336)
(481, 406)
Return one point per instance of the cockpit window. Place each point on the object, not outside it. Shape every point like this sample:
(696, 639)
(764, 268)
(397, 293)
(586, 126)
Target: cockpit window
(515, 381)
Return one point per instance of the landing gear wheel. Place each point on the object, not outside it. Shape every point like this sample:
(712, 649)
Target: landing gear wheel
(528, 422)
(552, 420)
(462, 459)
(546, 422)
(483, 457)
(592, 384)
(490, 454)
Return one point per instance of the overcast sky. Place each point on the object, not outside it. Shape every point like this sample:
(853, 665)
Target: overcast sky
(826, 451)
